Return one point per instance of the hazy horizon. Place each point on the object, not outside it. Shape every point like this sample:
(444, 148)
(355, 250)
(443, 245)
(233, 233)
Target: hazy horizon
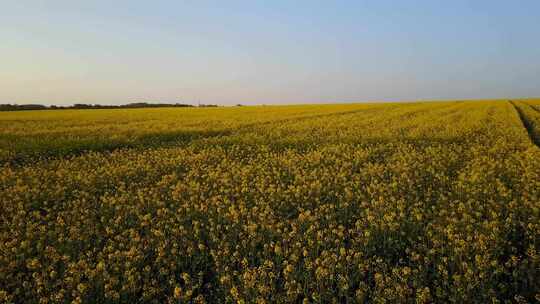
(66, 52)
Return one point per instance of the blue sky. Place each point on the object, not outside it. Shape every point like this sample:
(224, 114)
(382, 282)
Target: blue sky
(271, 52)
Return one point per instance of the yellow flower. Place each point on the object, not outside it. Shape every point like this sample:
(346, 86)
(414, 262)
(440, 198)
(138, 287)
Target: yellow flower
(177, 292)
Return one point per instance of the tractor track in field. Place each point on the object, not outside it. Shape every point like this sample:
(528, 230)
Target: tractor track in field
(534, 107)
(526, 124)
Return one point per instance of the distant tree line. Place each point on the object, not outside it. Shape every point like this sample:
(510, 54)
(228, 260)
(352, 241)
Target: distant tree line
(136, 105)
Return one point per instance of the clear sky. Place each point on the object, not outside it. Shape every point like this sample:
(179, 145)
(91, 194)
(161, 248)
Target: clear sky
(272, 52)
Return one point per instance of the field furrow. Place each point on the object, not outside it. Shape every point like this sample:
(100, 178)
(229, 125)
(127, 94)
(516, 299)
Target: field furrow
(530, 116)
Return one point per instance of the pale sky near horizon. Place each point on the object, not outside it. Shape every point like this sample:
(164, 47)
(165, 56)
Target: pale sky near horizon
(267, 52)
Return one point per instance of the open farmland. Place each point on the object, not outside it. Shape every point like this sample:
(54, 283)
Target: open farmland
(407, 203)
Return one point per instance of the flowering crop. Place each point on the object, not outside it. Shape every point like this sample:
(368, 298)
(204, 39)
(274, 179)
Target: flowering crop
(407, 203)
(530, 115)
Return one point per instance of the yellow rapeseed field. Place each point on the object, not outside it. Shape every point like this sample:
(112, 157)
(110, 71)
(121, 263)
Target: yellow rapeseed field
(364, 203)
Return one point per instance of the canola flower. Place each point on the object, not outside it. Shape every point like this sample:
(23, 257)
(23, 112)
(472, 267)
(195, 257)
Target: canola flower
(411, 203)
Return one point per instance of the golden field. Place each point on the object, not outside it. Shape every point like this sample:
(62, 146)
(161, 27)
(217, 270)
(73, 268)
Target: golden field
(362, 203)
